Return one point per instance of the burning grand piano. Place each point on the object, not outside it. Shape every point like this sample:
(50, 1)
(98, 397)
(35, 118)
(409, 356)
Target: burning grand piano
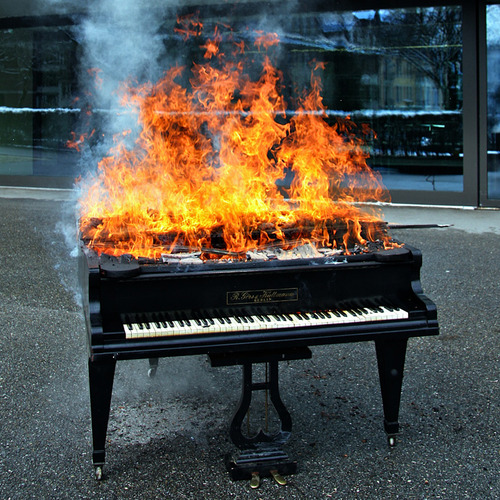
(238, 229)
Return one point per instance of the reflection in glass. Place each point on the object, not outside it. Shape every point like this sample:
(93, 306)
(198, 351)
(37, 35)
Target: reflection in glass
(400, 71)
(493, 67)
(36, 110)
(397, 72)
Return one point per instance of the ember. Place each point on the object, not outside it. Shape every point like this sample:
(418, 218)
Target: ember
(211, 165)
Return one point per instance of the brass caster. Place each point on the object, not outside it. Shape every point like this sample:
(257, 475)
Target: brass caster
(98, 473)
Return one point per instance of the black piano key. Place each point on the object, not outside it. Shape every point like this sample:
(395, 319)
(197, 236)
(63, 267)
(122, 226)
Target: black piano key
(263, 316)
(128, 321)
(219, 316)
(169, 320)
(183, 320)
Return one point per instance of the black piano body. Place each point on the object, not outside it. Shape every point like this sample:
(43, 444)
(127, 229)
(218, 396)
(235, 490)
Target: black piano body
(260, 311)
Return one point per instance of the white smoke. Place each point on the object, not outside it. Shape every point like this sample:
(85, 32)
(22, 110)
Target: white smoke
(120, 41)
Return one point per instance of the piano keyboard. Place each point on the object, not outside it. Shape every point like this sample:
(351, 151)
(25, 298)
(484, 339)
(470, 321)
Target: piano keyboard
(163, 325)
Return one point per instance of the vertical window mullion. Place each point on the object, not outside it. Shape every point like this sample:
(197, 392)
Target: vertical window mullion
(471, 118)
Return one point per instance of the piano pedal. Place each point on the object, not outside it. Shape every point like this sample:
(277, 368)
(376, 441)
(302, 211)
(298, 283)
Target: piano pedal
(391, 441)
(278, 477)
(255, 480)
(255, 464)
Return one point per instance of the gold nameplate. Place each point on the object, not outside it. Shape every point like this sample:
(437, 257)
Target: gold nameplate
(262, 296)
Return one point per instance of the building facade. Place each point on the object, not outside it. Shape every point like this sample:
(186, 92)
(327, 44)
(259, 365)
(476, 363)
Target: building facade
(422, 75)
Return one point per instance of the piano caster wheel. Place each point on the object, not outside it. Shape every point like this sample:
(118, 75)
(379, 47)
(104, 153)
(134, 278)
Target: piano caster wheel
(152, 372)
(255, 480)
(391, 440)
(98, 472)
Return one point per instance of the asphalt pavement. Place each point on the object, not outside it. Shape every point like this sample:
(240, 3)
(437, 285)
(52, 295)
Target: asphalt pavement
(168, 436)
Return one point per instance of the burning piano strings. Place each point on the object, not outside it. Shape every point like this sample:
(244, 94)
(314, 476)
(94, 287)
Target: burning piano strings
(286, 241)
(189, 245)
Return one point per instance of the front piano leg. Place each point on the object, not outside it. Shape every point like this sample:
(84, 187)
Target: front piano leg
(101, 375)
(391, 360)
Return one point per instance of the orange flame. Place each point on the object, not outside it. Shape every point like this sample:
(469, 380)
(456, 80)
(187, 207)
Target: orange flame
(189, 25)
(266, 40)
(208, 164)
(75, 143)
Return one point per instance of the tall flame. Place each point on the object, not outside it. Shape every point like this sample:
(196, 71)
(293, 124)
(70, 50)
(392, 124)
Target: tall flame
(212, 159)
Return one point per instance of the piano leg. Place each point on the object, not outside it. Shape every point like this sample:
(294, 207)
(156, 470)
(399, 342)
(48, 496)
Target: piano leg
(101, 375)
(391, 359)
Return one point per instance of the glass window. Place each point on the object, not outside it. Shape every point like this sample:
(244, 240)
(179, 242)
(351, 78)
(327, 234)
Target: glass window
(400, 71)
(37, 110)
(493, 68)
(397, 72)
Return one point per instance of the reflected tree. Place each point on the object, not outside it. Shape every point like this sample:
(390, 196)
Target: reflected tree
(431, 40)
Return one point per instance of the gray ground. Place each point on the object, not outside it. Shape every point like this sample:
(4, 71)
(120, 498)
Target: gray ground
(168, 436)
